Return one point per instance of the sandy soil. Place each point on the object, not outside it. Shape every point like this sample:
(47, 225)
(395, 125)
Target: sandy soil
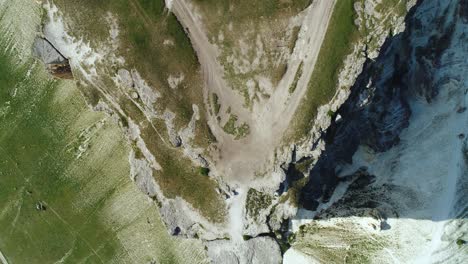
(239, 160)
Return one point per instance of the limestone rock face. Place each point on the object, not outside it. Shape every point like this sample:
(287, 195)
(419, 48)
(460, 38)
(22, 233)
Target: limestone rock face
(55, 62)
(398, 153)
(257, 250)
(377, 110)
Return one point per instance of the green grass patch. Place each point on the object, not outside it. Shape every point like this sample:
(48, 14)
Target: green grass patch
(230, 126)
(145, 26)
(204, 171)
(179, 177)
(216, 105)
(338, 42)
(238, 131)
(297, 76)
(41, 132)
(256, 202)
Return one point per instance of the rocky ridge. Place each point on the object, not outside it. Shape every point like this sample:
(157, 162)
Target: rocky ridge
(179, 216)
(393, 153)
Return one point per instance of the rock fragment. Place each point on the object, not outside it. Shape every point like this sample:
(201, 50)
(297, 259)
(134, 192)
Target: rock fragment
(57, 64)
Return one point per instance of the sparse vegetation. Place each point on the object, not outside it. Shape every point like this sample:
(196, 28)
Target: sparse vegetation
(304, 166)
(298, 75)
(246, 9)
(238, 131)
(243, 30)
(230, 126)
(256, 202)
(338, 43)
(246, 237)
(461, 242)
(360, 246)
(216, 105)
(204, 171)
(153, 42)
(180, 178)
(294, 37)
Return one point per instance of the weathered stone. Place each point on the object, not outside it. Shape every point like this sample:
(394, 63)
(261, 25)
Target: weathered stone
(56, 63)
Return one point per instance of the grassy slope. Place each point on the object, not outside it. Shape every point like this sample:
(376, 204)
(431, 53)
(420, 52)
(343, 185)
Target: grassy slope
(144, 26)
(342, 34)
(39, 140)
(343, 242)
(337, 44)
(94, 212)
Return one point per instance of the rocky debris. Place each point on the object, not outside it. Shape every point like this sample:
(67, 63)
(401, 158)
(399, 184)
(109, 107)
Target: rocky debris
(258, 250)
(359, 199)
(57, 64)
(280, 215)
(258, 207)
(187, 134)
(174, 81)
(147, 94)
(40, 206)
(361, 178)
(179, 217)
(142, 174)
(182, 220)
(137, 88)
(125, 78)
(174, 138)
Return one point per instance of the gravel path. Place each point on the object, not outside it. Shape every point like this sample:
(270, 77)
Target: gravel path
(238, 160)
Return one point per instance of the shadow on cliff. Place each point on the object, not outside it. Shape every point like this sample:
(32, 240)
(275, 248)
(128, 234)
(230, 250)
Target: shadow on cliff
(378, 110)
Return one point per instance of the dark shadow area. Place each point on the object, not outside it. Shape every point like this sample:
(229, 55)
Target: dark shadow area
(378, 110)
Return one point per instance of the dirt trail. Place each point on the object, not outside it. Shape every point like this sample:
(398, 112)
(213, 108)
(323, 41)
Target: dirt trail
(239, 160)
(212, 70)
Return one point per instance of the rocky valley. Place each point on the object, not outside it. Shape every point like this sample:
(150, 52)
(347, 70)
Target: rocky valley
(203, 131)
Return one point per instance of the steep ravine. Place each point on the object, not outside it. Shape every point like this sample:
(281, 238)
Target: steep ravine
(392, 179)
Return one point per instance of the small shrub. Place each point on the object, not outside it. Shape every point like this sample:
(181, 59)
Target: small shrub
(204, 171)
